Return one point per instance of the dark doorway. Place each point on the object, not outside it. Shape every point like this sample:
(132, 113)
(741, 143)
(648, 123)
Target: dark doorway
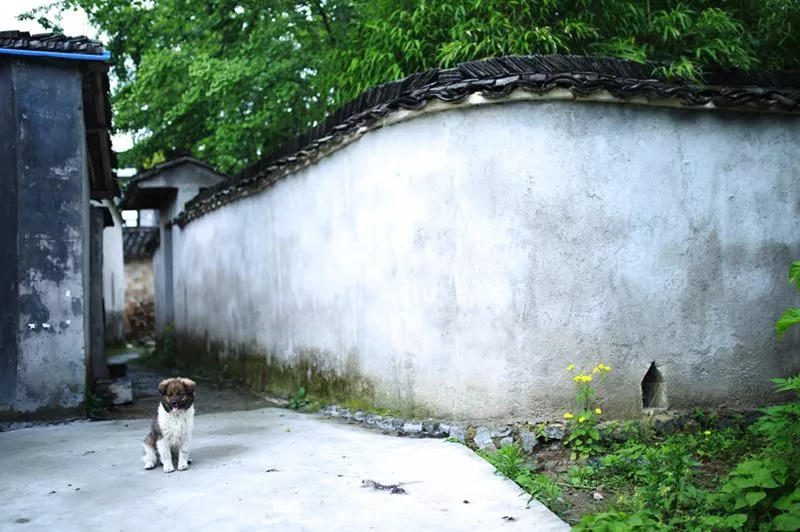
(654, 389)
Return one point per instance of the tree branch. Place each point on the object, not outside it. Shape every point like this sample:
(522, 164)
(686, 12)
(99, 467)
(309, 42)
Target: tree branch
(324, 17)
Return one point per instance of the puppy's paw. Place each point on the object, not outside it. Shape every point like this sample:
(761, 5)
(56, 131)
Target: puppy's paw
(183, 467)
(149, 465)
(169, 468)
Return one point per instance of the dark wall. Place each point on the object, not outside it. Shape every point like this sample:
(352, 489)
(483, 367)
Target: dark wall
(8, 238)
(46, 231)
(99, 369)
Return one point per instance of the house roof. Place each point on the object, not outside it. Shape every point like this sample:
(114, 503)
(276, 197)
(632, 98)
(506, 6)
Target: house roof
(496, 79)
(150, 189)
(50, 42)
(139, 242)
(90, 58)
(172, 163)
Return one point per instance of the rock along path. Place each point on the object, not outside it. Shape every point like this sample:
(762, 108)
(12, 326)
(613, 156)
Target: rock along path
(266, 469)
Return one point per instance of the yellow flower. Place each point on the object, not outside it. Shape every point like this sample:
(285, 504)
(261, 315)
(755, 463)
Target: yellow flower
(598, 411)
(570, 367)
(568, 415)
(707, 432)
(596, 370)
(581, 419)
(587, 378)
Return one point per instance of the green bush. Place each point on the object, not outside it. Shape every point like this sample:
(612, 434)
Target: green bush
(509, 461)
(760, 492)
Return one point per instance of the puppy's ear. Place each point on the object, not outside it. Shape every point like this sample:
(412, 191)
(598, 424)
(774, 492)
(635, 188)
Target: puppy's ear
(162, 386)
(189, 384)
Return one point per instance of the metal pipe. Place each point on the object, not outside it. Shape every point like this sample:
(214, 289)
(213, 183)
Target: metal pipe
(105, 56)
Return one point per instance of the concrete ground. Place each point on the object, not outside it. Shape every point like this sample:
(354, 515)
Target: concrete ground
(265, 469)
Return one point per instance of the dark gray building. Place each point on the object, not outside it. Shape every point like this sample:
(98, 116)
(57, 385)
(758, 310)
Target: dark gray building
(55, 154)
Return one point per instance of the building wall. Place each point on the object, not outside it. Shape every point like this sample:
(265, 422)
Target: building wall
(114, 280)
(140, 298)
(457, 262)
(139, 282)
(187, 181)
(45, 232)
(159, 287)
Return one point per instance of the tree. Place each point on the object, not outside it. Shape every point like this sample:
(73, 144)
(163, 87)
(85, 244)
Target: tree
(227, 79)
(233, 79)
(390, 41)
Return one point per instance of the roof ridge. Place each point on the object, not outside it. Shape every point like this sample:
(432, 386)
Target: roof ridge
(51, 42)
(496, 78)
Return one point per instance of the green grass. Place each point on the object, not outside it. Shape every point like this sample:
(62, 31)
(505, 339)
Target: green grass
(737, 478)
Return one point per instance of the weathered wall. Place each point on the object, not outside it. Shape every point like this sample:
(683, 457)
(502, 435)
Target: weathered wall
(187, 180)
(42, 153)
(98, 369)
(459, 261)
(139, 298)
(113, 280)
(139, 284)
(159, 284)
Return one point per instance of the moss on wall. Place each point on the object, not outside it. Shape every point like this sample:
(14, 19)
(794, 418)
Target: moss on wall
(261, 371)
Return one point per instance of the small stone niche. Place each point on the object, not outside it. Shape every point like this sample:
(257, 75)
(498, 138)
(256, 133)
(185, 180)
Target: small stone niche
(654, 389)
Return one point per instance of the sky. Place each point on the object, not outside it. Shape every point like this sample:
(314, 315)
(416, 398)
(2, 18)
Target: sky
(74, 23)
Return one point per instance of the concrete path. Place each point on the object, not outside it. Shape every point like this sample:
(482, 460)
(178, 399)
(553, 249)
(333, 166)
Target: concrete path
(266, 469)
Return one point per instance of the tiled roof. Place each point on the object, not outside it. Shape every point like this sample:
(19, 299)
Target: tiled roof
(136, 197)
(139, 242)
(495, 79)
(160, 167)
(49, 42)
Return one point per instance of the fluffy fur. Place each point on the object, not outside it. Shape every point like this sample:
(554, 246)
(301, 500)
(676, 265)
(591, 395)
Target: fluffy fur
(171, 430)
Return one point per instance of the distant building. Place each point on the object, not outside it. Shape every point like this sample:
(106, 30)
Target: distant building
(166, 188)
(140, 243)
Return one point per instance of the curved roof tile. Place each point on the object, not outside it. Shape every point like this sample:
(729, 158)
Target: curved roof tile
(497, 78)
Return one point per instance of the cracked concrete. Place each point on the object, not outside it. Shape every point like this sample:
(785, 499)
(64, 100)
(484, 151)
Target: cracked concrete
(268, 468)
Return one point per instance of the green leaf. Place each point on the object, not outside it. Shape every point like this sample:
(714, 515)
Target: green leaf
(744, 482)
(787, 522)
(794, 273)
(790, 318)
(754, 497)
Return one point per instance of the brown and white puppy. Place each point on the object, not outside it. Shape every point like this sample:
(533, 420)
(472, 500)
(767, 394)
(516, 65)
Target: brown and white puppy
(171, 430)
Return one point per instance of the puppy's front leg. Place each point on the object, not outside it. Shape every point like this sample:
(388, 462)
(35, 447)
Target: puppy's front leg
(183, 458)
(166, 455)
(150, 459)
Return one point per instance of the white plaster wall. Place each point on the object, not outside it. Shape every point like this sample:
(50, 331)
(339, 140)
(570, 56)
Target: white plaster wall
(114, 280)
(467, 257)
(113, 269)
(159, 285)
(187, 180)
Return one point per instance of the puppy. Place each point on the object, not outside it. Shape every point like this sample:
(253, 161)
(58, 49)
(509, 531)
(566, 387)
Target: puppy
(171, 430)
